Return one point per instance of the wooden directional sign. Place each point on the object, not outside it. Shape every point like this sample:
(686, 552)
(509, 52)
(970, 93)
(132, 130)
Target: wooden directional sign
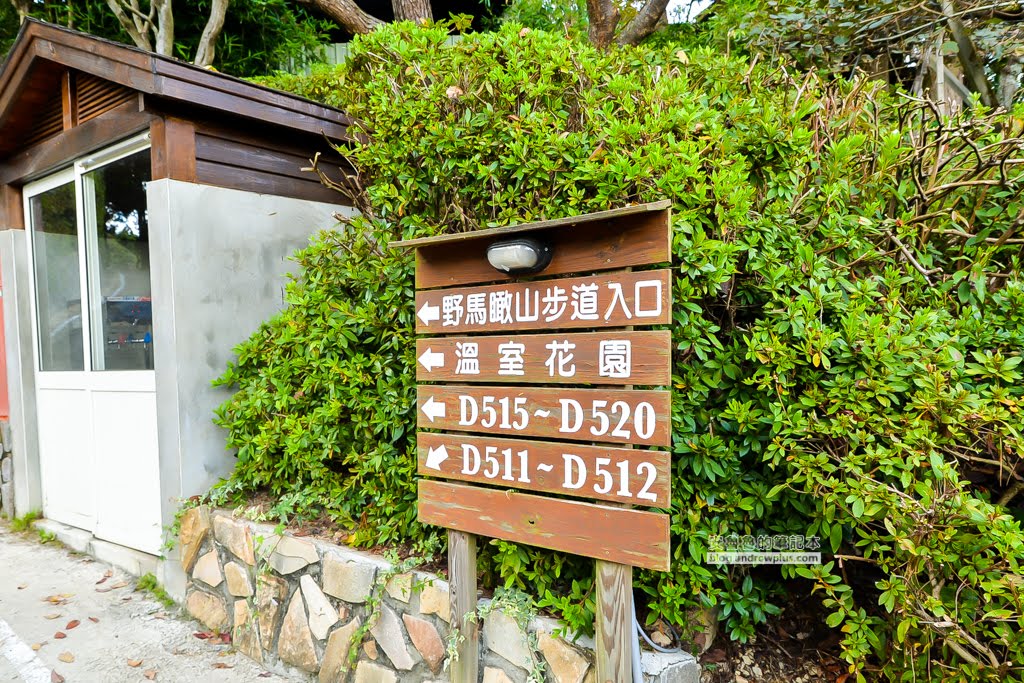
(616, 416)
(508, 414)
(621, 475)
(581, 358)
(607, 300)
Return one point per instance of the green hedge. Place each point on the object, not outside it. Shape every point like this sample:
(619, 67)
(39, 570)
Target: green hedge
(848, 328)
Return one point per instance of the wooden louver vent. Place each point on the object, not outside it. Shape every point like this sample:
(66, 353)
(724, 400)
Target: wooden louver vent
(95, 96)
(48, 122)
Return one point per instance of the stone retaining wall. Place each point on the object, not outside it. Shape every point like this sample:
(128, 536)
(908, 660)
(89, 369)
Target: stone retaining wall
(300, 603)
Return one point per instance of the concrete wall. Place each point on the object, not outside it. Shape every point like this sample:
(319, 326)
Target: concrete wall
(219, 263)
(27, 488)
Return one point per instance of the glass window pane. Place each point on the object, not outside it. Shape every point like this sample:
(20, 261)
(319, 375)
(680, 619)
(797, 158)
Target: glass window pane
(58, 287)
(120, 285)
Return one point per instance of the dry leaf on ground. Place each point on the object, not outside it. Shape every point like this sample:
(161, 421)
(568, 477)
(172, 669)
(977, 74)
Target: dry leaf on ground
(94, 620)
(60, 634)
(134, 663)
(36, 646)
(66, 657)
(72, 624)
(51, 617)
(56, 677)
(150, 674)
(222, 665)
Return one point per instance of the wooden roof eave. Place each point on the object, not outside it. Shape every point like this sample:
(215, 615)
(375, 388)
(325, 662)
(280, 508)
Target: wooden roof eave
(160, 77)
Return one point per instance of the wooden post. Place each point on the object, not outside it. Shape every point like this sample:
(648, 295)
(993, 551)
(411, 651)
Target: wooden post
(614, 652)
(462, 590)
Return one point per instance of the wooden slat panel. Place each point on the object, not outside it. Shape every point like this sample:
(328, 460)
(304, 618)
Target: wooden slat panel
(634, 537)
(11, 208)
(609, 244)
(629, 358)
(634, 476)
(613, 656)
(218, 150)
(638, 417)
(221, 175)
(116, 124)
(548, 304)
(462, 595)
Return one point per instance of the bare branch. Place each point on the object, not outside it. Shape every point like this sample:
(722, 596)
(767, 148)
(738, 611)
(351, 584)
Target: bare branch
(644, 23)
(164, 28)
(347, 13)
(141, 39)
(208, 42)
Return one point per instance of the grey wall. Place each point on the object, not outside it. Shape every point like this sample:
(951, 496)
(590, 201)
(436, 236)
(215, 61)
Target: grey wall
(219, 260)
(21, 382)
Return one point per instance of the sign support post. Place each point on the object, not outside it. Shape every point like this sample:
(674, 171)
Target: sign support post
(527, 387)
(462, 591)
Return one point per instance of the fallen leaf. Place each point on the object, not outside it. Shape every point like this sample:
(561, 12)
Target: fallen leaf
(56, 677)
(222, 665)
(119, 584)
(94, 620)
(66, 657)
(150, 674)
(55, 615)
(106, 589)
(23, 586)
(60, 634)
(265, 674)
(72, 624)
(37, 646)
(202, 635)
(134, 663)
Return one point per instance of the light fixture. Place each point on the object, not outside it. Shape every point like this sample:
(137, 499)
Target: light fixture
(520, 256)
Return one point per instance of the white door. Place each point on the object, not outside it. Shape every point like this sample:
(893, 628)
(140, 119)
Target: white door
(93, 332)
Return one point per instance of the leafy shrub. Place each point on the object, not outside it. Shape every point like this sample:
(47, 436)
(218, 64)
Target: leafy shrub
(848, 324)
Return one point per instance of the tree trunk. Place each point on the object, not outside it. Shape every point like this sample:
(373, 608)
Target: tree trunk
(22, 7)
(164, 27)
(604, 17)
(1009, 80)
(208, 43)
(644, 23)
(412, 10)
(974, 68)
(347, 14)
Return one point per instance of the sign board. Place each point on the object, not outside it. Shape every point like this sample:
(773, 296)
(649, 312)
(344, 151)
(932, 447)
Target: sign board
(543, 405)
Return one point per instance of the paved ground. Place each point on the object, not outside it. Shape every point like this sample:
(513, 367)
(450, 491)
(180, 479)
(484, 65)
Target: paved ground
(58, 623)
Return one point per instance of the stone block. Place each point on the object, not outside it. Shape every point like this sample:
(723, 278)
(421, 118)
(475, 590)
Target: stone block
(503, 637)
(335, 666)
(388, 632)
(235, 536)
(564, 662)
(7, 499)
(207, 569)
(78, 540)
(676, 667)
(347, 580)
(370, 648)
(209, 610)
(322, 615)
(495, 675)
(237, 577)
(6, 440)
(6, 470)
(426, 640)
(245, 636)
(368, 672)
(270, 594)
(295, 646)
(135, 562)
(400, 587)
(435, 599)
(195, 524)
(293, 554)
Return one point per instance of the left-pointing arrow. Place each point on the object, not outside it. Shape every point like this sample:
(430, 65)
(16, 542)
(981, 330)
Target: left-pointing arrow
(428, 313)
(434, 409)
(436, 456)
(431, 359)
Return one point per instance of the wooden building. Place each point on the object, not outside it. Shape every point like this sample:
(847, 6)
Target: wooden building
(147, 209)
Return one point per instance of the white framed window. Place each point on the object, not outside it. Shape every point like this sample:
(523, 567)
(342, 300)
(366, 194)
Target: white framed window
(89, 254)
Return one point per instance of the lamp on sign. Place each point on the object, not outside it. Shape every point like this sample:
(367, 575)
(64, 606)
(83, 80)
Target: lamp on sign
(521, 256)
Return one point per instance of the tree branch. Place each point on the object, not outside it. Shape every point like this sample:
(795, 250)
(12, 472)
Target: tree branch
(974, 68)
(644, 23)
(164, 28)
(346, 13)
(208, 42)
(140, 39)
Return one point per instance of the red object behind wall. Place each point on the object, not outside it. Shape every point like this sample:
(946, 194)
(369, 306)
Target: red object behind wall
(5, 402)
